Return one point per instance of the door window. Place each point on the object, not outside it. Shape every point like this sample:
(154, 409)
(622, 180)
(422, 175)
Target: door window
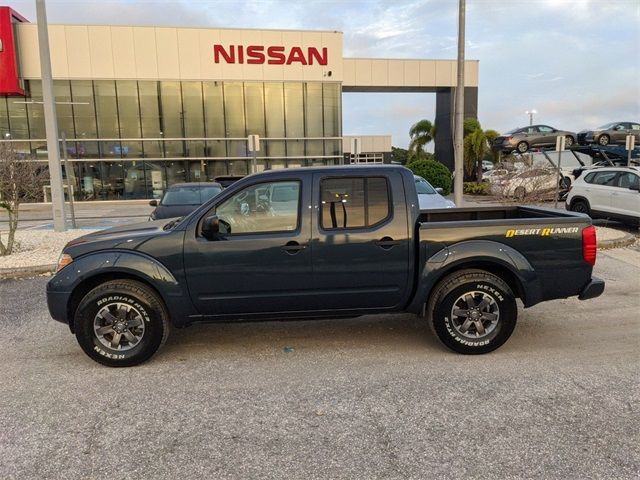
(628, 180)
(604, 178)
(359, 202)
(262, 208)
(545, 129)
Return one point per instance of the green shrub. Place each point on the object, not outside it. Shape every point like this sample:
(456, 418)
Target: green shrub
(475, 188)
(433, 172)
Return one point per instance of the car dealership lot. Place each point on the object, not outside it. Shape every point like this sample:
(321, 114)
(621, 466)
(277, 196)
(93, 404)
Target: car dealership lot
(374, 397)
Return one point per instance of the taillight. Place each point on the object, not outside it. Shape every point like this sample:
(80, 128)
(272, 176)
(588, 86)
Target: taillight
(589, 245)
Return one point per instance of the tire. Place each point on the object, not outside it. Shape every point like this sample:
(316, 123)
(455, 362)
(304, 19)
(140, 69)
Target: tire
(603, 139)
(522, 147)
(580, 206)
(569, 141)
(491, 325)
(519, 193)
(121, 323)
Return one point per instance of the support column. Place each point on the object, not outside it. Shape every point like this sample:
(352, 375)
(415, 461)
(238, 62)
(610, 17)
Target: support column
(444, 121)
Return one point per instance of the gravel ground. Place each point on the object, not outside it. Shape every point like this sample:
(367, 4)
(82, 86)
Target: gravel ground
(38, 247)
(375, 397)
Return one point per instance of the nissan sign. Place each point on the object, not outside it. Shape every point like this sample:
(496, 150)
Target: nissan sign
(271, 55)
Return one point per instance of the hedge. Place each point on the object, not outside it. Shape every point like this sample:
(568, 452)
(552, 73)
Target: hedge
(433, 172)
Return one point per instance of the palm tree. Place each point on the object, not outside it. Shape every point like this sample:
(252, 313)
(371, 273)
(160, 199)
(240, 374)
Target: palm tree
(477, 143)
(421, 134)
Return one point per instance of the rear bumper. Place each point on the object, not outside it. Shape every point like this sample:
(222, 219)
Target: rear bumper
(592, 289)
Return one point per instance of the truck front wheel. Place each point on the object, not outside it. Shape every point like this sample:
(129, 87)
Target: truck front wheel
(121, 323)
(473, 312)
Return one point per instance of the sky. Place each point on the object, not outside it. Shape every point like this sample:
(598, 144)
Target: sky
(576, 62)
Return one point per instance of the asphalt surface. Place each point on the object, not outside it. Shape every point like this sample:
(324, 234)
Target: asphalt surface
(374, 397)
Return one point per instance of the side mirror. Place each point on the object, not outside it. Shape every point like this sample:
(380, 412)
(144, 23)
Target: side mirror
(153, 203)
(210, 227)
(439, 190)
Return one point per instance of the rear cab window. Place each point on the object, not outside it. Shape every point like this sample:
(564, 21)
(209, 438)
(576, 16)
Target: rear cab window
(354, 202)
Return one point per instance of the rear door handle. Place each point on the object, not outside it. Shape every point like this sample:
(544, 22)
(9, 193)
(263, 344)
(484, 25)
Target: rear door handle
(293, 247)
(386, 243)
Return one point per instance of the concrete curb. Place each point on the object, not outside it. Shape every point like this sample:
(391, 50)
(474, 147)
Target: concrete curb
(624, 241)
(23, 272)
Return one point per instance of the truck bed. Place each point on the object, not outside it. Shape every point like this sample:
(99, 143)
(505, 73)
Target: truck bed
(494, 213)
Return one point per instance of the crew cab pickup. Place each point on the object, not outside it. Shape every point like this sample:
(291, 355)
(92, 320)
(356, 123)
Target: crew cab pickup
(315, 243)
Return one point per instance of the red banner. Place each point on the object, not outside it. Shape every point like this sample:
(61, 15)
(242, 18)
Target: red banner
(9, 77)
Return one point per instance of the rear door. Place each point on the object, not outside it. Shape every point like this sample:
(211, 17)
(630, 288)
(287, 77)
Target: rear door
(601, 186)
(625, 198)
(547, 135)
(360, 241)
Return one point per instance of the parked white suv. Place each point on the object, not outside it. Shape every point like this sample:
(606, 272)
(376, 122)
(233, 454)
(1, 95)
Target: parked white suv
(610, 192)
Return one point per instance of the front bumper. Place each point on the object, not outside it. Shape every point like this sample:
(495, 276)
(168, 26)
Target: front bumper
(592, 289)
(57, 304)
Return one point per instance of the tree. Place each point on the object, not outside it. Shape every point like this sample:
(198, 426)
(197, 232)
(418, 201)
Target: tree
(421, 134)
(477, 144)
(494, 155)
(399, 155)
(20, 180)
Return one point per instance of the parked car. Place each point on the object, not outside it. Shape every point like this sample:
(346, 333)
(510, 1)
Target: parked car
(355, 242)
(609, 133)
(524, 138)
(181, 199)
(487, 165)
(608, 192)
(430, 197)
(534, 181)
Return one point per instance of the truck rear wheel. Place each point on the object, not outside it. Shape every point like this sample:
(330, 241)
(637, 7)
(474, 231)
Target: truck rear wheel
(121, 323)
(473, 312)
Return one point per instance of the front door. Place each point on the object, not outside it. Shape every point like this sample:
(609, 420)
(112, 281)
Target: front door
(360, 241)
(625, 199)
(262, 262)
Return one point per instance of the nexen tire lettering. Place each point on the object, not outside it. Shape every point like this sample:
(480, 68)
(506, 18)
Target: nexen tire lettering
(447, 323)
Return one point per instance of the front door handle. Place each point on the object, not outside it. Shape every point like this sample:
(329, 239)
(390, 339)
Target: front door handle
(387, 243)
(293, 247)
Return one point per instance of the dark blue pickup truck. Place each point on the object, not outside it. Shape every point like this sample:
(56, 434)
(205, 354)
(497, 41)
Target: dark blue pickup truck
(316, 243)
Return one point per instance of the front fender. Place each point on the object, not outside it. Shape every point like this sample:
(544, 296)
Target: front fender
(133, 264)
(478, 254)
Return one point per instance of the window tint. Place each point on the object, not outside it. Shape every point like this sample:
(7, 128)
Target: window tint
(353, 202)
(191, 195)
(604, 178)
(589, 178)
(545, 129)
(635, 126)
(628, 180)
(423, 187)
(255, 210)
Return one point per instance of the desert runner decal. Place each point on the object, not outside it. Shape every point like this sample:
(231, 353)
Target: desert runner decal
(543, 232)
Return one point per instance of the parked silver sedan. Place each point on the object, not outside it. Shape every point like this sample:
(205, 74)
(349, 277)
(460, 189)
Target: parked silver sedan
(524, 138)
(429, 197)
(614, 132)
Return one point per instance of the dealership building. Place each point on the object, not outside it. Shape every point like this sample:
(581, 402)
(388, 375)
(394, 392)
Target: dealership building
(144, 107)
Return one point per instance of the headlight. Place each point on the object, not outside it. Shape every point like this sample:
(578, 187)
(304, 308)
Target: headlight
(64, 260)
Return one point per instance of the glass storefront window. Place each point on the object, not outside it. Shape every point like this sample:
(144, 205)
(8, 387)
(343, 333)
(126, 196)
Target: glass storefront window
(254, 106)
(274, 111)
(171, 118)
(294, 115)
(84, 118)
(149, 98)
(331, 100)
(313, 118)
(234, 111)
(129, 116)
(193, 113)
(214, 118)
(107, 117)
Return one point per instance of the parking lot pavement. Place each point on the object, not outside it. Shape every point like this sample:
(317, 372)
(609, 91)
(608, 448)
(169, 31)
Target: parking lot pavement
(374, 397)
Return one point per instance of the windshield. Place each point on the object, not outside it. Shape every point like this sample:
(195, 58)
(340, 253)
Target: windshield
(511, 132)
(607, 126)
(189, 195)
(422, 186)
